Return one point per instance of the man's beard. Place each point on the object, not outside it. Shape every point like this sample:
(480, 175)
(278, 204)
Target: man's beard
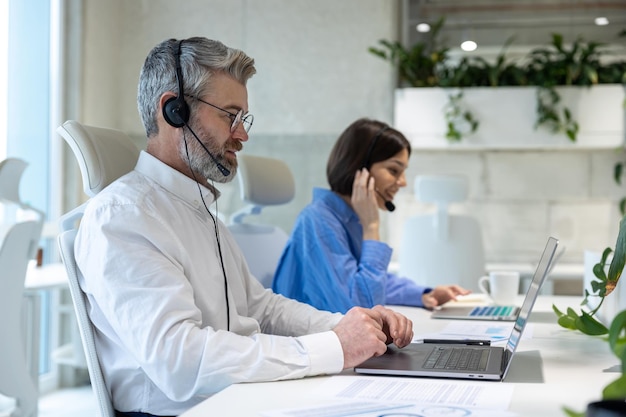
(200, 162)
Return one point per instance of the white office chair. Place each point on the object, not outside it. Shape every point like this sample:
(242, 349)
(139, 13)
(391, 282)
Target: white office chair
(263, 182)
(16, 381)
(103, 156)
(442, 248)
(20, 231)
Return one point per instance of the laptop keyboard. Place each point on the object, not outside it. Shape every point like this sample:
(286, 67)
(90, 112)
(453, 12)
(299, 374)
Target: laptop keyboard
(496, 311)
(457, 358)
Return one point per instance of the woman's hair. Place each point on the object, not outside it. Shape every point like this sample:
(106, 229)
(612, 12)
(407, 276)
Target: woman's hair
(200, 58)
(362, 144)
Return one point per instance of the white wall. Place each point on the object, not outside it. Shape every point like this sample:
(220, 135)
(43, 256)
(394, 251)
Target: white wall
(315, 77)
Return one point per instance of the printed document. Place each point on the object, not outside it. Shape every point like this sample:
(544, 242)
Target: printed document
(346, 395)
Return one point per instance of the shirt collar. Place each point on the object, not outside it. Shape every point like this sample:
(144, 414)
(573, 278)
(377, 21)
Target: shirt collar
(174, 181)
(336, 204)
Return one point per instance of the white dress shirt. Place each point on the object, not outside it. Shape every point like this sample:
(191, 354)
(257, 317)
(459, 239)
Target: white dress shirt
(148, 251)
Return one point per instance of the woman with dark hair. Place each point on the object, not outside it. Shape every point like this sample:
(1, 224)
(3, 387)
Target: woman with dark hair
(334, 259)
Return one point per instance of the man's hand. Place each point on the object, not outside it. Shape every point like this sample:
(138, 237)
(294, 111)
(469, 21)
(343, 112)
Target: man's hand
(442, 294)
(364, 333)
(397, 328)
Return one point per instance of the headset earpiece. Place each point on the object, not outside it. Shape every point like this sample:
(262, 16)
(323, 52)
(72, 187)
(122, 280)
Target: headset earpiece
(175, 109)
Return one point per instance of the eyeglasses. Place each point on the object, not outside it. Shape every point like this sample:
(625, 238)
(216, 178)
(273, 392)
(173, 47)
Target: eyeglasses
(236, 119)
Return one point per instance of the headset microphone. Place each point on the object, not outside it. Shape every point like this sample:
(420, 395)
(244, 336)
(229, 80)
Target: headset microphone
(388, 204)
(225, 171)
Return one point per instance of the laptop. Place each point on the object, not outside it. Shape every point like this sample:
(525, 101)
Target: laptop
(487, 312)
(459, 360)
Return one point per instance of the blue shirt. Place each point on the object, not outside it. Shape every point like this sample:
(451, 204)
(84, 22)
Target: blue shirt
(328, 265)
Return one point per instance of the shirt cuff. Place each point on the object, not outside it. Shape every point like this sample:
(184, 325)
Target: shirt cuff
(325, 352)
(421, 301)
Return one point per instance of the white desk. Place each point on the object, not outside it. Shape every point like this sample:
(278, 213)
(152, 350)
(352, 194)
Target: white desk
(555, 368)
(44, 277)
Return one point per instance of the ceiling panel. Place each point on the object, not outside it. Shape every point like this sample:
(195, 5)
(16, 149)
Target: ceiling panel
(530, 22)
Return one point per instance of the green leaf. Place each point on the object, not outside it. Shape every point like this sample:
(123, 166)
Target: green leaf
(589, 325)
(572, 313)
(605, 254)
(599, 288)
(619, 258)
(572, 413)
(618, 325)
(598, 271)
(567, 113)
(585, 301)
(615, 390)
(567, 322)
(557, 311)
(619, 350)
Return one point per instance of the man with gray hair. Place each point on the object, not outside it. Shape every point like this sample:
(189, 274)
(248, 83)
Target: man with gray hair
(177, 313)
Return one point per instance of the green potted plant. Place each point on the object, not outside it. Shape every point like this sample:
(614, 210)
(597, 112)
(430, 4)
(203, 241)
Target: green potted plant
(549, 70)
(586, 322)
(419, 65)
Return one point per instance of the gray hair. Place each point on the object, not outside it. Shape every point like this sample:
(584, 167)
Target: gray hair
(200, 58)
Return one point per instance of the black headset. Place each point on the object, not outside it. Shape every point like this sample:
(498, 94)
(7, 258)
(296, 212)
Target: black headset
(176, 109)
(176, 113)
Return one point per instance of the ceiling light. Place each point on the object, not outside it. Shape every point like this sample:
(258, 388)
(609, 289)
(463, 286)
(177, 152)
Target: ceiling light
(423, 27)
(469, 46)
(601, 21)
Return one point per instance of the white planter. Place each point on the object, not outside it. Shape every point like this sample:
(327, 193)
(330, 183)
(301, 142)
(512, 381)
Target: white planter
(507, 117)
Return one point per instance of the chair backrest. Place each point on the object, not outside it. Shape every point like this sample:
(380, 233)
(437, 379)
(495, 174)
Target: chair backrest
(103, 155)
(85, 327)
(15, 379)
(263, 182)
(14, 209)
(440, 247)
(11, 170)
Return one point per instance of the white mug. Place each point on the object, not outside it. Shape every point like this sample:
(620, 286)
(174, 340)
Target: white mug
(501, 286)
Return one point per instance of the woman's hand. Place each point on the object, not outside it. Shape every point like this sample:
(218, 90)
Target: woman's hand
(365, 204)
(442, 294)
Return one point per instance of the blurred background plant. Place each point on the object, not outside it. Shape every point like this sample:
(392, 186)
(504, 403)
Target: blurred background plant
(581, 63)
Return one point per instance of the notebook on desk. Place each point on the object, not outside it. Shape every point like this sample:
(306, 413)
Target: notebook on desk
(457, 360)
(493, 312)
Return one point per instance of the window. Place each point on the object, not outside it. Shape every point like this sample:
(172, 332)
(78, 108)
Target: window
(25, 132)
(4, 46)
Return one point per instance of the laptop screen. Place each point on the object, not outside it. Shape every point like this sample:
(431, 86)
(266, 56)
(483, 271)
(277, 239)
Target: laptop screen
(540, 274)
